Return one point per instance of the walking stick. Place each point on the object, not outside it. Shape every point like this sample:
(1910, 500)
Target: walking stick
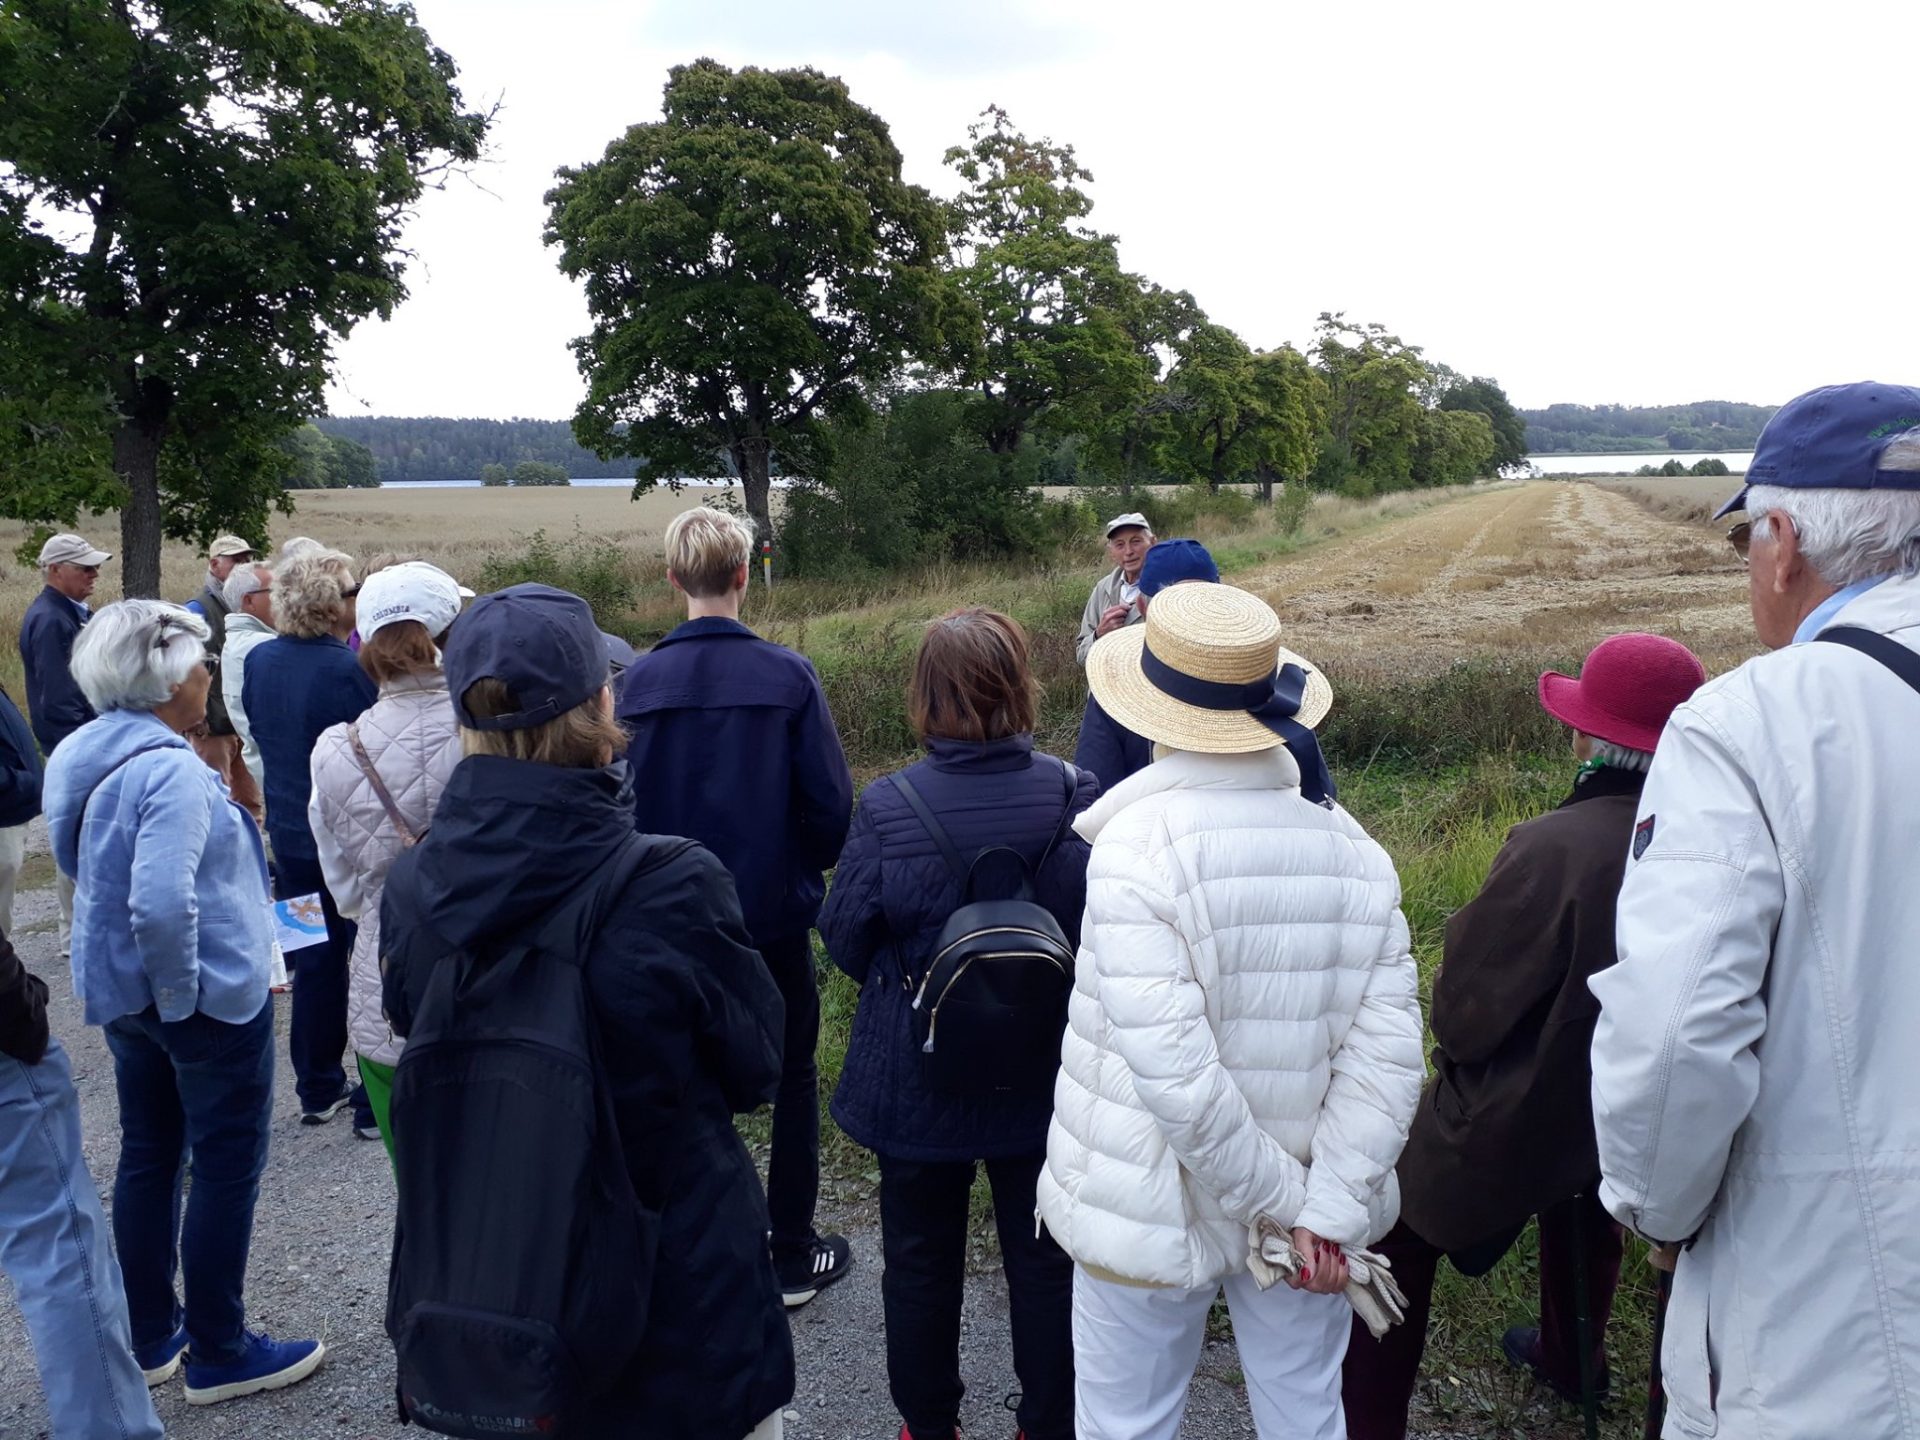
(1583, 1319)
(1656, 1390)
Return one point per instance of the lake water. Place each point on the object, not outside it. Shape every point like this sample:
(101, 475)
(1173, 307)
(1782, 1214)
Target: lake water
(597, 484)
(1735, 460)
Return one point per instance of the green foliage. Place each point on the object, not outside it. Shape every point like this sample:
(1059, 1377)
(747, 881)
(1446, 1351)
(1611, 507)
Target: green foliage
(1454, 446)
(1712, 465)
(752, 261)
(1477, 706)
(434, 447)
(313, 460)
(1065, 333)
(1703, 425)
(1373, 408)
(1485, 396)
(197, 202)
(596, 570)
(494, 475)
(1235, 414)
(539, 472)
(1290, 510)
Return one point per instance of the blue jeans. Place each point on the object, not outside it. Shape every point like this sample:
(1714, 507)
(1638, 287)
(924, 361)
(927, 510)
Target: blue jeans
(317, 1037)
(202, 1086)
(53, 1245)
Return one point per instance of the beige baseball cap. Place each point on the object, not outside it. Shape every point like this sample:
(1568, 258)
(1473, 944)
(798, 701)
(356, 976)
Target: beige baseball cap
(229, 545)
(1121, 522)
(71, 550)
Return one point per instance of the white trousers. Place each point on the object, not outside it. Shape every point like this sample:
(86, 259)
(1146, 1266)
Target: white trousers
(774, 1427)
(1134, 1351)
(13, 854)
(63, 887)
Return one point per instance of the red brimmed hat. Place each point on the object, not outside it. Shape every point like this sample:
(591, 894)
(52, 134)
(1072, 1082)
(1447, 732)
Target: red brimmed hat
(1627, 690)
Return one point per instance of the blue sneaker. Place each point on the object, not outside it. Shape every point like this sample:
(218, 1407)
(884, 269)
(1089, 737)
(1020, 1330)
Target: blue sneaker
(268, 1364)
(160, 1362)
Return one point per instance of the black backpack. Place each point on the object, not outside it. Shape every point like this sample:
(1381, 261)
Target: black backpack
(522, 1259)
(992, 1005)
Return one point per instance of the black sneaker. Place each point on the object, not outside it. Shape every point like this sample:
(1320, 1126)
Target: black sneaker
(1521, 1345)
(805, 1276)
(321, 1114)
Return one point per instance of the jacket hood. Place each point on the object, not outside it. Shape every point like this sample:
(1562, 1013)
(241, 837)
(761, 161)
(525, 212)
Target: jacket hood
(511, 840)
(1272, 769)
(239, 620)
(98, 748)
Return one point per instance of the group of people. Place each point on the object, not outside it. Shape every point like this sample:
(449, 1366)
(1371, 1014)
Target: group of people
(1165, 995)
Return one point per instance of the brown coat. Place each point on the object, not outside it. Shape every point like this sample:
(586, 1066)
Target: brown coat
(1505, 1126)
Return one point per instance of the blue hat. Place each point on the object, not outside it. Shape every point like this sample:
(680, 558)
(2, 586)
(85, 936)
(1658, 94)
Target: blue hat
(1832, 439)
(1172, 561)
(541, 643)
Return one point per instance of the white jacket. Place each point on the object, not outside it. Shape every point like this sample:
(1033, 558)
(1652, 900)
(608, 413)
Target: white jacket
(1758, 1051)
(242, 634)
(413, 739)
(1244, 1036)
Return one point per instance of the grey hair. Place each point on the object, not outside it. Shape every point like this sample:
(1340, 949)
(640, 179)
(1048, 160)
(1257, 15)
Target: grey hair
(243, 581)
(309, 592)
(133, 653)
(299, 545)
(1851, 535)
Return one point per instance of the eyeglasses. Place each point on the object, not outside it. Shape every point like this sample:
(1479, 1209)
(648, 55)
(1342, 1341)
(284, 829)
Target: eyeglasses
(1740, 537)
(350, 592)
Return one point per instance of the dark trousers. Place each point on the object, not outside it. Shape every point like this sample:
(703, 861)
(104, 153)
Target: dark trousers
(923, 1235)
(1379, 1376)
(203, 1087)
(317, 1037)
(793, 1161)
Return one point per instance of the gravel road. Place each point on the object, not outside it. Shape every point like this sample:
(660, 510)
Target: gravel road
(319, 1267)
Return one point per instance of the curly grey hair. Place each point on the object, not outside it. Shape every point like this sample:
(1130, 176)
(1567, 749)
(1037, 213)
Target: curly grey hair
(310, 592)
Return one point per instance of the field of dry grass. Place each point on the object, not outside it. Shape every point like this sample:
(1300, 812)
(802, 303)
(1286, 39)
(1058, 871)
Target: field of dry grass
(1690, 499)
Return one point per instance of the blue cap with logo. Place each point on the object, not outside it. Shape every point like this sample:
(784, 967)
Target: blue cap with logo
(1832, 439)
(1172, 561)
(541, 643)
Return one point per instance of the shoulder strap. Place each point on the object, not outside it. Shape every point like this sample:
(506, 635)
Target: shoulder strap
(365, 762)
(933, 828)
(584, 911)
(1888, 651)
(1066, 815)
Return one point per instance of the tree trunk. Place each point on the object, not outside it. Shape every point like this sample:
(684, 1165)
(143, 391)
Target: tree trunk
(1266, 485)
(750, 459)
(136, 460)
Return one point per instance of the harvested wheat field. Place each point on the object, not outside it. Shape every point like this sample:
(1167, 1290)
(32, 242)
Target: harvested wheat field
(1539, 568)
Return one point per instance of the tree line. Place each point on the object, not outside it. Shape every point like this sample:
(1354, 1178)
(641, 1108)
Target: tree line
(438, 448)
(766, 289)
(1603, 429)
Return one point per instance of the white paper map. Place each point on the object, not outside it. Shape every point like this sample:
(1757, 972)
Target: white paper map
(299, 922)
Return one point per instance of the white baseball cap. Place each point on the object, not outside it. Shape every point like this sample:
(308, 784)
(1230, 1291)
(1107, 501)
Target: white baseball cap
(411, 590)
(71, 550)
(1121, 522)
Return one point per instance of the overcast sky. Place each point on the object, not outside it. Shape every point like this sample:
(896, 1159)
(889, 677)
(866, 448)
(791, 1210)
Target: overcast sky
(1638, 203)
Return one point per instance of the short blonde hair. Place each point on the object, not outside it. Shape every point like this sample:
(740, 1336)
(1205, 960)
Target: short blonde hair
(310, 592)
(705, 550)
(585, 738)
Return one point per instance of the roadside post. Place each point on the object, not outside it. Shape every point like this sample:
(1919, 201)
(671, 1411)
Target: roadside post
(766, 562)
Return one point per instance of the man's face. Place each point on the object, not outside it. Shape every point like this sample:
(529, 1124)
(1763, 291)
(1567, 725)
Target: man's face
(73, 581)
(1127, 548)
(221, 566)
(259, 603)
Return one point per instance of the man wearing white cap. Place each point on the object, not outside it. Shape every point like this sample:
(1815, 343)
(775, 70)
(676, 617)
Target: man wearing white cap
(216, 742)
(1115, 601)
(47, 632)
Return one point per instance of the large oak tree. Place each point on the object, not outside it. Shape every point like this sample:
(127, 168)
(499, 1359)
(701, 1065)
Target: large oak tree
(754, 265)
(198, 198)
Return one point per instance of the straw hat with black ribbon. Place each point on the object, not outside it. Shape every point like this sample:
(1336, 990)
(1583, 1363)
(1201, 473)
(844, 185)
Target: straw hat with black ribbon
(1207, 673)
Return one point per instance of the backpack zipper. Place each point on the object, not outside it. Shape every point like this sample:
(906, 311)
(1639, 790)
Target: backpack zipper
(933, 1015)
(934, 963)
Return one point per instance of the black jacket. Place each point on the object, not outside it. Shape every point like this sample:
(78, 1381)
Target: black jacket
(890, 897)
(47, 632)
(1505, 1127)
(691, 1024)
(19, 766)
(1109, 750)
(23, 1009)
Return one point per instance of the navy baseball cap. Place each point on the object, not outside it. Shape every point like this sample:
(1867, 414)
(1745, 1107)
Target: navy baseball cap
(539, 642)
(1172, 561)
(1832, 439)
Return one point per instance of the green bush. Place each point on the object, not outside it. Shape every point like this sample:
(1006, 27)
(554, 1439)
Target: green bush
(1485, 705)
(595, 569)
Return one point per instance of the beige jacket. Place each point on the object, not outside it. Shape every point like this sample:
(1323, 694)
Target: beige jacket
(1110, 591)
(413, 740)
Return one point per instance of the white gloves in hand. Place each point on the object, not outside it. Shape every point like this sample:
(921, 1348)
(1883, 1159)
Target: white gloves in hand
(1371, 1289)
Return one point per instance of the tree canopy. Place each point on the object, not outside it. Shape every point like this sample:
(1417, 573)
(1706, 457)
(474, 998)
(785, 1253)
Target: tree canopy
(752, 262)
(197, 201)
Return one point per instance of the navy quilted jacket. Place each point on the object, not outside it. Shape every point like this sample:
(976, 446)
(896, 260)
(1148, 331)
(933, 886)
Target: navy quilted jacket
(891, 894)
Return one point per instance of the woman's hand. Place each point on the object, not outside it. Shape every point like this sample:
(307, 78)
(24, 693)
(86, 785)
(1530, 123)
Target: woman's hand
(1323, 1270)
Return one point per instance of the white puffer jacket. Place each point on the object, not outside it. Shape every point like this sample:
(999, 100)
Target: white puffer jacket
(413, 739)
(1244, 1037)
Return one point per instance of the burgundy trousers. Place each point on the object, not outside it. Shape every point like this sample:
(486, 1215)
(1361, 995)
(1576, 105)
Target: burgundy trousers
(1378, 1379)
